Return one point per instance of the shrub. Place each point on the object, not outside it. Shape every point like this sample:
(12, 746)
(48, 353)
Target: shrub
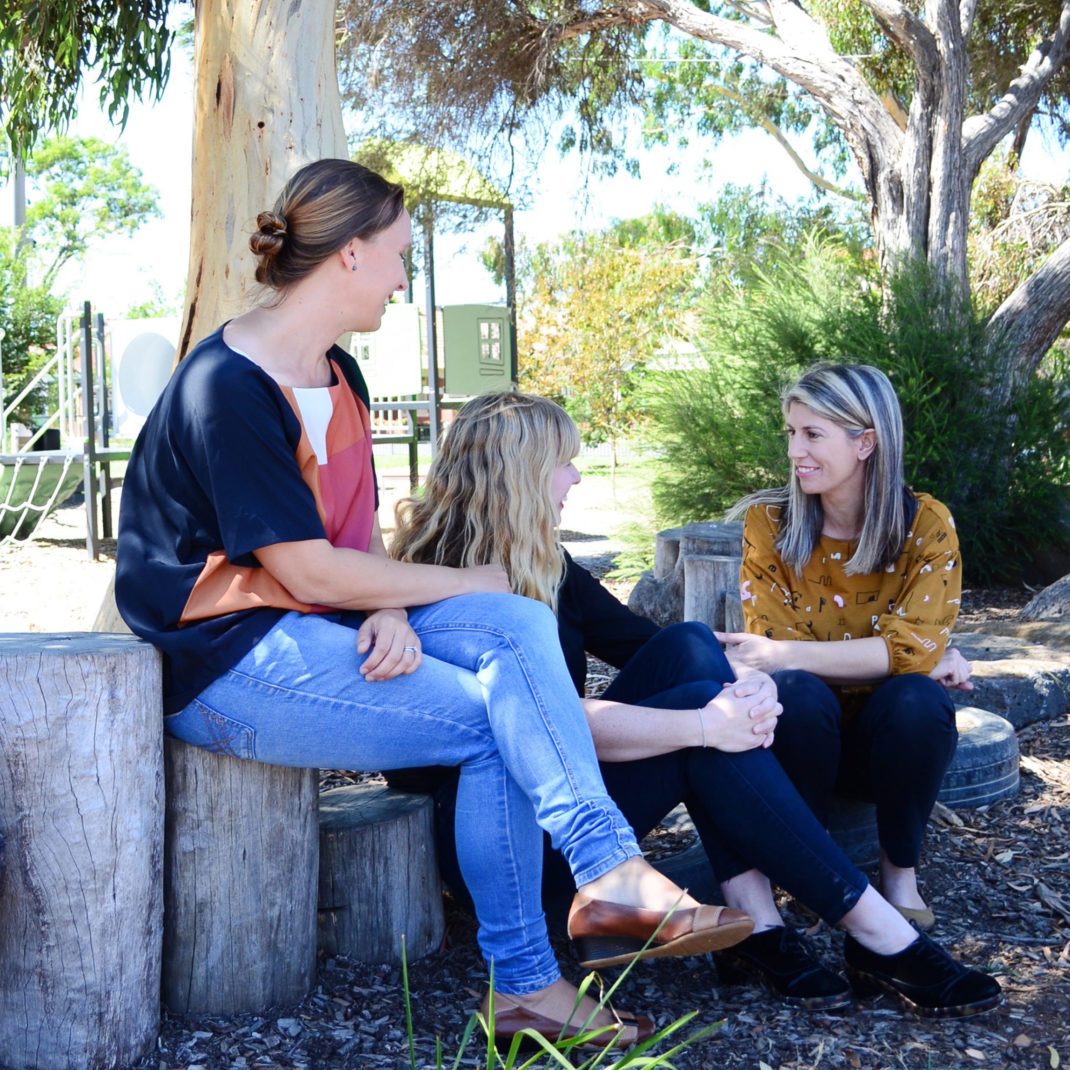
(999, 463)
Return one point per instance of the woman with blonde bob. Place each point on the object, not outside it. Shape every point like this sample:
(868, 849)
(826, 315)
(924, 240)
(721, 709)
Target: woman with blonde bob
(674, 726)
(851, 584)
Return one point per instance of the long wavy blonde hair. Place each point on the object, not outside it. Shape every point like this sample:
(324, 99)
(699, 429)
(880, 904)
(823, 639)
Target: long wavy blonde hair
(487, 498)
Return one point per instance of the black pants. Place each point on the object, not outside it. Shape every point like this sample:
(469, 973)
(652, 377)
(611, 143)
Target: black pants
(893, 752)
(745, 808)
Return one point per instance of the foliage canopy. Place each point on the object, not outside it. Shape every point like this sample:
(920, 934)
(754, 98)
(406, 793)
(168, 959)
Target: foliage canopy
(48, 49)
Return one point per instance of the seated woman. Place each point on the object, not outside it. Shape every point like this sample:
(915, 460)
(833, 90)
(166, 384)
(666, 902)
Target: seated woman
(250, 554)
(851, 584)
(673, 727)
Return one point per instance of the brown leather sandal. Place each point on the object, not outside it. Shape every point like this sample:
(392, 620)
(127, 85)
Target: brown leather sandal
(510, 1018)
(609, 934)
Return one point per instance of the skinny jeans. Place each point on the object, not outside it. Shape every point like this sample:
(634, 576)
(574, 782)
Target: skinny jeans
(893, 752)
(746, 810)
(492, 696)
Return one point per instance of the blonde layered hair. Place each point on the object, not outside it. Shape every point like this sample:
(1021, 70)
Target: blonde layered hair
(858, 398)
(487, 498)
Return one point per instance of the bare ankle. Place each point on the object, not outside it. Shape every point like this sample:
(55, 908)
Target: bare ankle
(636, 883)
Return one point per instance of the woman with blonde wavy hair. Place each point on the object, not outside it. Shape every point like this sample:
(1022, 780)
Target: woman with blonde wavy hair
(674, 726)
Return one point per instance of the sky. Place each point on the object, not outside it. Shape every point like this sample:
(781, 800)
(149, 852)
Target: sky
(122, 271)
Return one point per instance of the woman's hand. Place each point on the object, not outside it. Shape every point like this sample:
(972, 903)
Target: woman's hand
(953, 671)
(485, 579)
(742, 716)
(753, 651)
(394, 646)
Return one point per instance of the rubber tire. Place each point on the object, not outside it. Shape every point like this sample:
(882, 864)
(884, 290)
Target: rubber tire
(983, 770)
(985, 766)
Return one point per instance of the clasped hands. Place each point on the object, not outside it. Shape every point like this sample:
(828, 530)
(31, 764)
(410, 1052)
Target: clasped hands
(743, 715)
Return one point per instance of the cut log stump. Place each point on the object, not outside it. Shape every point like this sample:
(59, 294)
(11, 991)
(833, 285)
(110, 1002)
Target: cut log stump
(239, 883)
(378, 874)
(81, 807)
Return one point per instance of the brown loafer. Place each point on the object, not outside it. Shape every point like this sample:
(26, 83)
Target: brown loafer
(609, 934)
(509, 1020)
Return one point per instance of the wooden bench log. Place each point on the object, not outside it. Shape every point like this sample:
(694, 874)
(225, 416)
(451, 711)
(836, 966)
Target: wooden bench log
(81, 805)
(378, 874)
(240, 869)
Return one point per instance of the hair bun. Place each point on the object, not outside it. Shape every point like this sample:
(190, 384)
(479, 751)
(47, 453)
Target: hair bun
(270, 234)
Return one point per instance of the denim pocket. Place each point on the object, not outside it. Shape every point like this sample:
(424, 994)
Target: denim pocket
(201, 726)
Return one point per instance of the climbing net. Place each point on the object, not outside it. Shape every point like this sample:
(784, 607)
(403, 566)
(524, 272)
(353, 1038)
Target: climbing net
(31, 485)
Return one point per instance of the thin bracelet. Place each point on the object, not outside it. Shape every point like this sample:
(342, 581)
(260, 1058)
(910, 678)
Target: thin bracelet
(701, 727)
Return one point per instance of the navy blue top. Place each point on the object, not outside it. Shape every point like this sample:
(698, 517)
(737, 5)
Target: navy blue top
(220, 469)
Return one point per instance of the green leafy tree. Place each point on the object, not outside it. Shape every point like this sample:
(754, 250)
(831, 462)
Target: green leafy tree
(48, 49)
(81, 191)
(28, 312)
(594, 311)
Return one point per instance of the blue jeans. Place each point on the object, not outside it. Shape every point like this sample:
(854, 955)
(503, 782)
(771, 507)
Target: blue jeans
(492, 696)
(745, 809)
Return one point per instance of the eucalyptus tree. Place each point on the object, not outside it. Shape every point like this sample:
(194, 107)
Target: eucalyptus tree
(919, 92)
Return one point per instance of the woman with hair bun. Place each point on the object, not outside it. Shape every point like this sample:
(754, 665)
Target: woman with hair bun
(250, 554)
(851, 584)
(675, 725)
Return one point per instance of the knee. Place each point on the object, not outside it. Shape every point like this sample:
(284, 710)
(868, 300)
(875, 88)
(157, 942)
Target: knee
(806, 697)
(917, 706)
(691, 641)
(515, 614)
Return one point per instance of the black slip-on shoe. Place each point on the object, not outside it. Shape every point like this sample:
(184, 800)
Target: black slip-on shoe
(783, 960)
(927, 980)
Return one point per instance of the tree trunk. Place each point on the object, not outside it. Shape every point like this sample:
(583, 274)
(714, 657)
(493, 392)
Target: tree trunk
(242, 853)
(267, 102)
(81, 804)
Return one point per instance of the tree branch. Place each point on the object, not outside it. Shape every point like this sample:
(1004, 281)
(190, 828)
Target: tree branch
(774, 131)
(967, 11)
(903, 27)
(1032, 317)
(810, 62)
(982, 133)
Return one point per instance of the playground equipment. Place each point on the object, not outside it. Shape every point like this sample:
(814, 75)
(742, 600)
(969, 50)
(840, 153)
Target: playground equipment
(70, 446)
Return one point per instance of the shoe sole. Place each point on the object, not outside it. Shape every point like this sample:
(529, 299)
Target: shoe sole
(872, 983)
(597, 952)
(740, 971)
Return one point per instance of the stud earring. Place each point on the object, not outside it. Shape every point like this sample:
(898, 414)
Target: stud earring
(353, 268)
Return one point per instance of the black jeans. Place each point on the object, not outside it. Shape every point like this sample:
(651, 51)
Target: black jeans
(745, 808)
(893, 752)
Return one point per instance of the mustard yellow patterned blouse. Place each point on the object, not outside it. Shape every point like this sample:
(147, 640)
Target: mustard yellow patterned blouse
(912, 605)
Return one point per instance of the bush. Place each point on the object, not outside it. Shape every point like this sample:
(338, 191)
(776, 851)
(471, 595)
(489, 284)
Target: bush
(1000, 464)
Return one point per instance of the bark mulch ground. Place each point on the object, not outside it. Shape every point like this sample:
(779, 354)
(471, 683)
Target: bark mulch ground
(997, 877)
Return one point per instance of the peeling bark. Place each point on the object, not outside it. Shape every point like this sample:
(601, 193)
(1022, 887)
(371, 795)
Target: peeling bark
(267, 102)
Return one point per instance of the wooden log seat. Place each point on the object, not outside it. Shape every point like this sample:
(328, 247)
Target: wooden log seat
(240, 867)
(81, 808)
(378, 874)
